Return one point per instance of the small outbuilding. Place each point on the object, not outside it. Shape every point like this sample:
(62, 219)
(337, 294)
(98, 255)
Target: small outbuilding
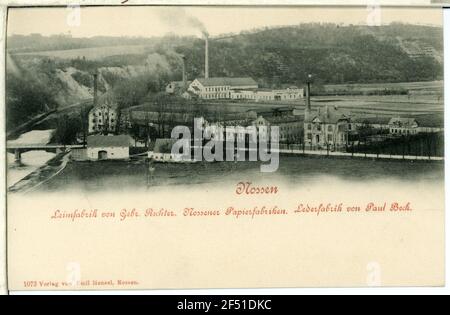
(108, 147)
(162, 152)
(403, 126)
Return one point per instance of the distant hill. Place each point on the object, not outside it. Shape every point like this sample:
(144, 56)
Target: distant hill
(332, 53)
(46, 72)
(91, 53)
(17, 44)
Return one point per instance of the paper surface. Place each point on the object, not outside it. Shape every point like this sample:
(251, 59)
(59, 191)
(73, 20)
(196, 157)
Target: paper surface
(356, 196)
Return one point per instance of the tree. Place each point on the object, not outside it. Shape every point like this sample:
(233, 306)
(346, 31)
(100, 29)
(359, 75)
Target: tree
(67, 129)
(365, 131)
(84, 118)
(25, 98)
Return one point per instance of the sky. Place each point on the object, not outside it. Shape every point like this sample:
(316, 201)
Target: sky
(159, 21)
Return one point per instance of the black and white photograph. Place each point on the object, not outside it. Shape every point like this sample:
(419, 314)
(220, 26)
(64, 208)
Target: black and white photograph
(93, 107)
(208, 147)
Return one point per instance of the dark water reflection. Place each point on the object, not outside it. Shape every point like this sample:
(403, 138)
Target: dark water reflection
(297, 170)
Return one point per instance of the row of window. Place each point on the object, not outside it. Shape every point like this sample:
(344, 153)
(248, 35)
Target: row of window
(329, 137)
(329, 127)
(99, 113)
(402, 131)
(100, 121)
(214, 96)
(263, 97)
(162, 158)
(101, 127)
(319, 127)
(216, 89)
(244, 96)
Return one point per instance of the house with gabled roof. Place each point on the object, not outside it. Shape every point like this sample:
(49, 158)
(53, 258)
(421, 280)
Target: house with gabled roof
(108, 147)
(403, 126)
(327, 127)
(177, 87)
(103, 118)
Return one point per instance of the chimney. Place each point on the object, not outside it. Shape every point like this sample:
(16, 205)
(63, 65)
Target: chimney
(95, 88)
(206, 57)
(308, 93)
(308, 99)
(184, 72)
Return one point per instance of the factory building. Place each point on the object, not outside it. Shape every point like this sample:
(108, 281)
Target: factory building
(102, 118)
(261, 95)
(220, 87)
(235, 88)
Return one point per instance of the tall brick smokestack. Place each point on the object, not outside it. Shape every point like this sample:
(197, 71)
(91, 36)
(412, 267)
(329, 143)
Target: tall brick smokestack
(206, 56)
(308, 92)
(308, 98)
(184, 72)
(95, 87)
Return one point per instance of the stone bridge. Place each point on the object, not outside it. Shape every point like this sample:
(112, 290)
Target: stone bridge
(18, 149)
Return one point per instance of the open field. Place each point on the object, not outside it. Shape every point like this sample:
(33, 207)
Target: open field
(428, 110)
(431, 86)
(376, 105)
(90, 53)
(384, 105)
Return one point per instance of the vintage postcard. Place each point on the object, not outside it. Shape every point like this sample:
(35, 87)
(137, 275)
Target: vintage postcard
(171, 147)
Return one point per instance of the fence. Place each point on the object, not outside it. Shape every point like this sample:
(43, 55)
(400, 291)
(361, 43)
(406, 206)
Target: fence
(421, 145)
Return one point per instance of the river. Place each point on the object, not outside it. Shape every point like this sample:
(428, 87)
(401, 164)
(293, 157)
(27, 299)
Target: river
(294, 171)
(31, 160)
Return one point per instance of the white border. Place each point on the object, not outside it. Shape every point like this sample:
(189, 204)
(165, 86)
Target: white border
(230, 2)
(303, 291)
(3, 280)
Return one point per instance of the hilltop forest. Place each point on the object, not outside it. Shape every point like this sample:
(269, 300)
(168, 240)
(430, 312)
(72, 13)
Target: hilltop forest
(41, 77)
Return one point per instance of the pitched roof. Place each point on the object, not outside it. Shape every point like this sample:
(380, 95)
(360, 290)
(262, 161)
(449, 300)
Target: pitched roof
(224, 81)
(103, 105)
(97, 141)
(403, 122)
(283, 119)
(329, 115)
(269, 112)
(108, 99)
(179, 84)
(145, 117)
(372, 120)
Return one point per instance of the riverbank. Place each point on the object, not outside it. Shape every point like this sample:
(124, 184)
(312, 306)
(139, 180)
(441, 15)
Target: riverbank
(43, 174)
(296, 170)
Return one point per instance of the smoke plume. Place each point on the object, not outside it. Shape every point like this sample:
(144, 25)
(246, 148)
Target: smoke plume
(178, 18)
